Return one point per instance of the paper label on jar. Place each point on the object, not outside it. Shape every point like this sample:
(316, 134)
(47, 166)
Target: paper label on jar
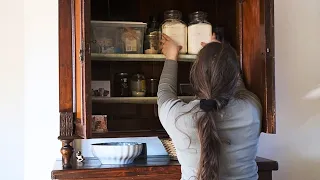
(143, 85)
(198, 33)
(131, 39)
(131, 44)
(178, 32)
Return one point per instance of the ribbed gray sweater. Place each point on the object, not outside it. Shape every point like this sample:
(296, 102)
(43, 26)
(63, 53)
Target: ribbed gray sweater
(240, 124)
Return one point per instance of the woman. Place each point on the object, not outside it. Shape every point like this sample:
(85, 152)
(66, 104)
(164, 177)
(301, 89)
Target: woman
(216, 136)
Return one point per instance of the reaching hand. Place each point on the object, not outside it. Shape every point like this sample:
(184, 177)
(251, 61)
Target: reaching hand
(213, 39)
(170, 49)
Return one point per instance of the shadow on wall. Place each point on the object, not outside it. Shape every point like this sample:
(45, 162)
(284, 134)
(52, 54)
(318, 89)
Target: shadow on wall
(296, 145)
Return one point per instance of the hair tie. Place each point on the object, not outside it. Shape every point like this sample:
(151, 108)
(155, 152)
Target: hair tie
(208, 104)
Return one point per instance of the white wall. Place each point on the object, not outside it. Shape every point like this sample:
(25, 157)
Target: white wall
(296, 145)
(11, 90)
(41, 88)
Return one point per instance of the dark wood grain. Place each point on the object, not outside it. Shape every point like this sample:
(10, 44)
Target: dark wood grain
(270, 66)
(150, 168)
(140, 177)
(65, 57)
(118, 134)
(83, 68)
(265, 175)
(67, 152)
(87, 103)
(255, 65)
(66, 124)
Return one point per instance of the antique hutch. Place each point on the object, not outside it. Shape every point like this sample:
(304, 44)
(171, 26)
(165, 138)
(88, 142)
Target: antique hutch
(248, 25)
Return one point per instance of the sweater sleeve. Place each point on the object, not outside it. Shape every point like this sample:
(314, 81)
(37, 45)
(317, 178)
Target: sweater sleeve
(168, 101)
(167, 88)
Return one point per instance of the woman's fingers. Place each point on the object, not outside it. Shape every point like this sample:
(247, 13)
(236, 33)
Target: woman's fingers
(203, 44)
(164, 36)
(213, 37)
(164, 50)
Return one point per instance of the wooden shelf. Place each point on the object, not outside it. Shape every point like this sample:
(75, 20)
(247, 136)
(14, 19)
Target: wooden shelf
(138, 57)
(115, 134)
(134, 100)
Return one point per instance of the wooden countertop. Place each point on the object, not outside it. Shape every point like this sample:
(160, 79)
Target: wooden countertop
(160, 165)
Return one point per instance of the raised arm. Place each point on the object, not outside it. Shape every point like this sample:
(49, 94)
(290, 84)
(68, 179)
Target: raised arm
(167, 89)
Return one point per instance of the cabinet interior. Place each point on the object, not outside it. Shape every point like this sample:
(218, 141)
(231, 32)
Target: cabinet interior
(221, 13)
(139, 117)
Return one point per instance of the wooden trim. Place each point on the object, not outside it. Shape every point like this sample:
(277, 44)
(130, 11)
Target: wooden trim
(78, 66)
(152, 167)
(66, 152)
(270, 67)
(258, 67)
(86, 70)
(118, 134)
(66, 124)
(82, 68)
(65, 57)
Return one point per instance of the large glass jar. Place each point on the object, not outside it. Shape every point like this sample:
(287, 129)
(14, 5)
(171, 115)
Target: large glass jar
(138, 85)
(175, 28)
(199, 30)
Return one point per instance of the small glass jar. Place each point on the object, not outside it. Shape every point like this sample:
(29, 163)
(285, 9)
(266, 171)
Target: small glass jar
(121, 85)
(199, 30)
(175, 28)
(138, 85)
(152, 87)
(152, 43)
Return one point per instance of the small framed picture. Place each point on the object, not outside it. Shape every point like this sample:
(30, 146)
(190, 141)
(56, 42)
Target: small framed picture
(100, 88)
(99, 123)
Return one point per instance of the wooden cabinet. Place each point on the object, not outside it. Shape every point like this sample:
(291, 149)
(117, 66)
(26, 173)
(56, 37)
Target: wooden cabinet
(248, 26)
(152, 168)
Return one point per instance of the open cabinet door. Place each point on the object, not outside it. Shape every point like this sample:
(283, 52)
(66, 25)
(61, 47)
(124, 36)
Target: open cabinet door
(258, 56)
(83, 106)
(74, 75)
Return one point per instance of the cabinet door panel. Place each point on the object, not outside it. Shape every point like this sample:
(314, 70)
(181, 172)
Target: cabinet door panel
(82, 67)
(66, 77)
(65, 57)
(258, 56)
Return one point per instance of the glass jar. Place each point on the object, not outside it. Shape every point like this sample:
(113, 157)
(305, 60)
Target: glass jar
(152, 87)
(152, 25)
(121, 85)
(175, 28)
(152, 43)
(199, 30)
(138, 85)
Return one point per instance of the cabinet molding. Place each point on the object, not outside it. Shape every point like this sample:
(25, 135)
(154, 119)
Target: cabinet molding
(66, 124)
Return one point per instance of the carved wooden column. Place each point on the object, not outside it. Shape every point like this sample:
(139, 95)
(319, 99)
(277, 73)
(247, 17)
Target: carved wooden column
(66, 137)
(67, 152)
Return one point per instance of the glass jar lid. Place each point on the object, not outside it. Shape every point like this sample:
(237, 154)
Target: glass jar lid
(172, 14)
(198, 16)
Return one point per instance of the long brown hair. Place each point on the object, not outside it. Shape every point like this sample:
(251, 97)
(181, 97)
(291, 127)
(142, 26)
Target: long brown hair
(214, 77)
